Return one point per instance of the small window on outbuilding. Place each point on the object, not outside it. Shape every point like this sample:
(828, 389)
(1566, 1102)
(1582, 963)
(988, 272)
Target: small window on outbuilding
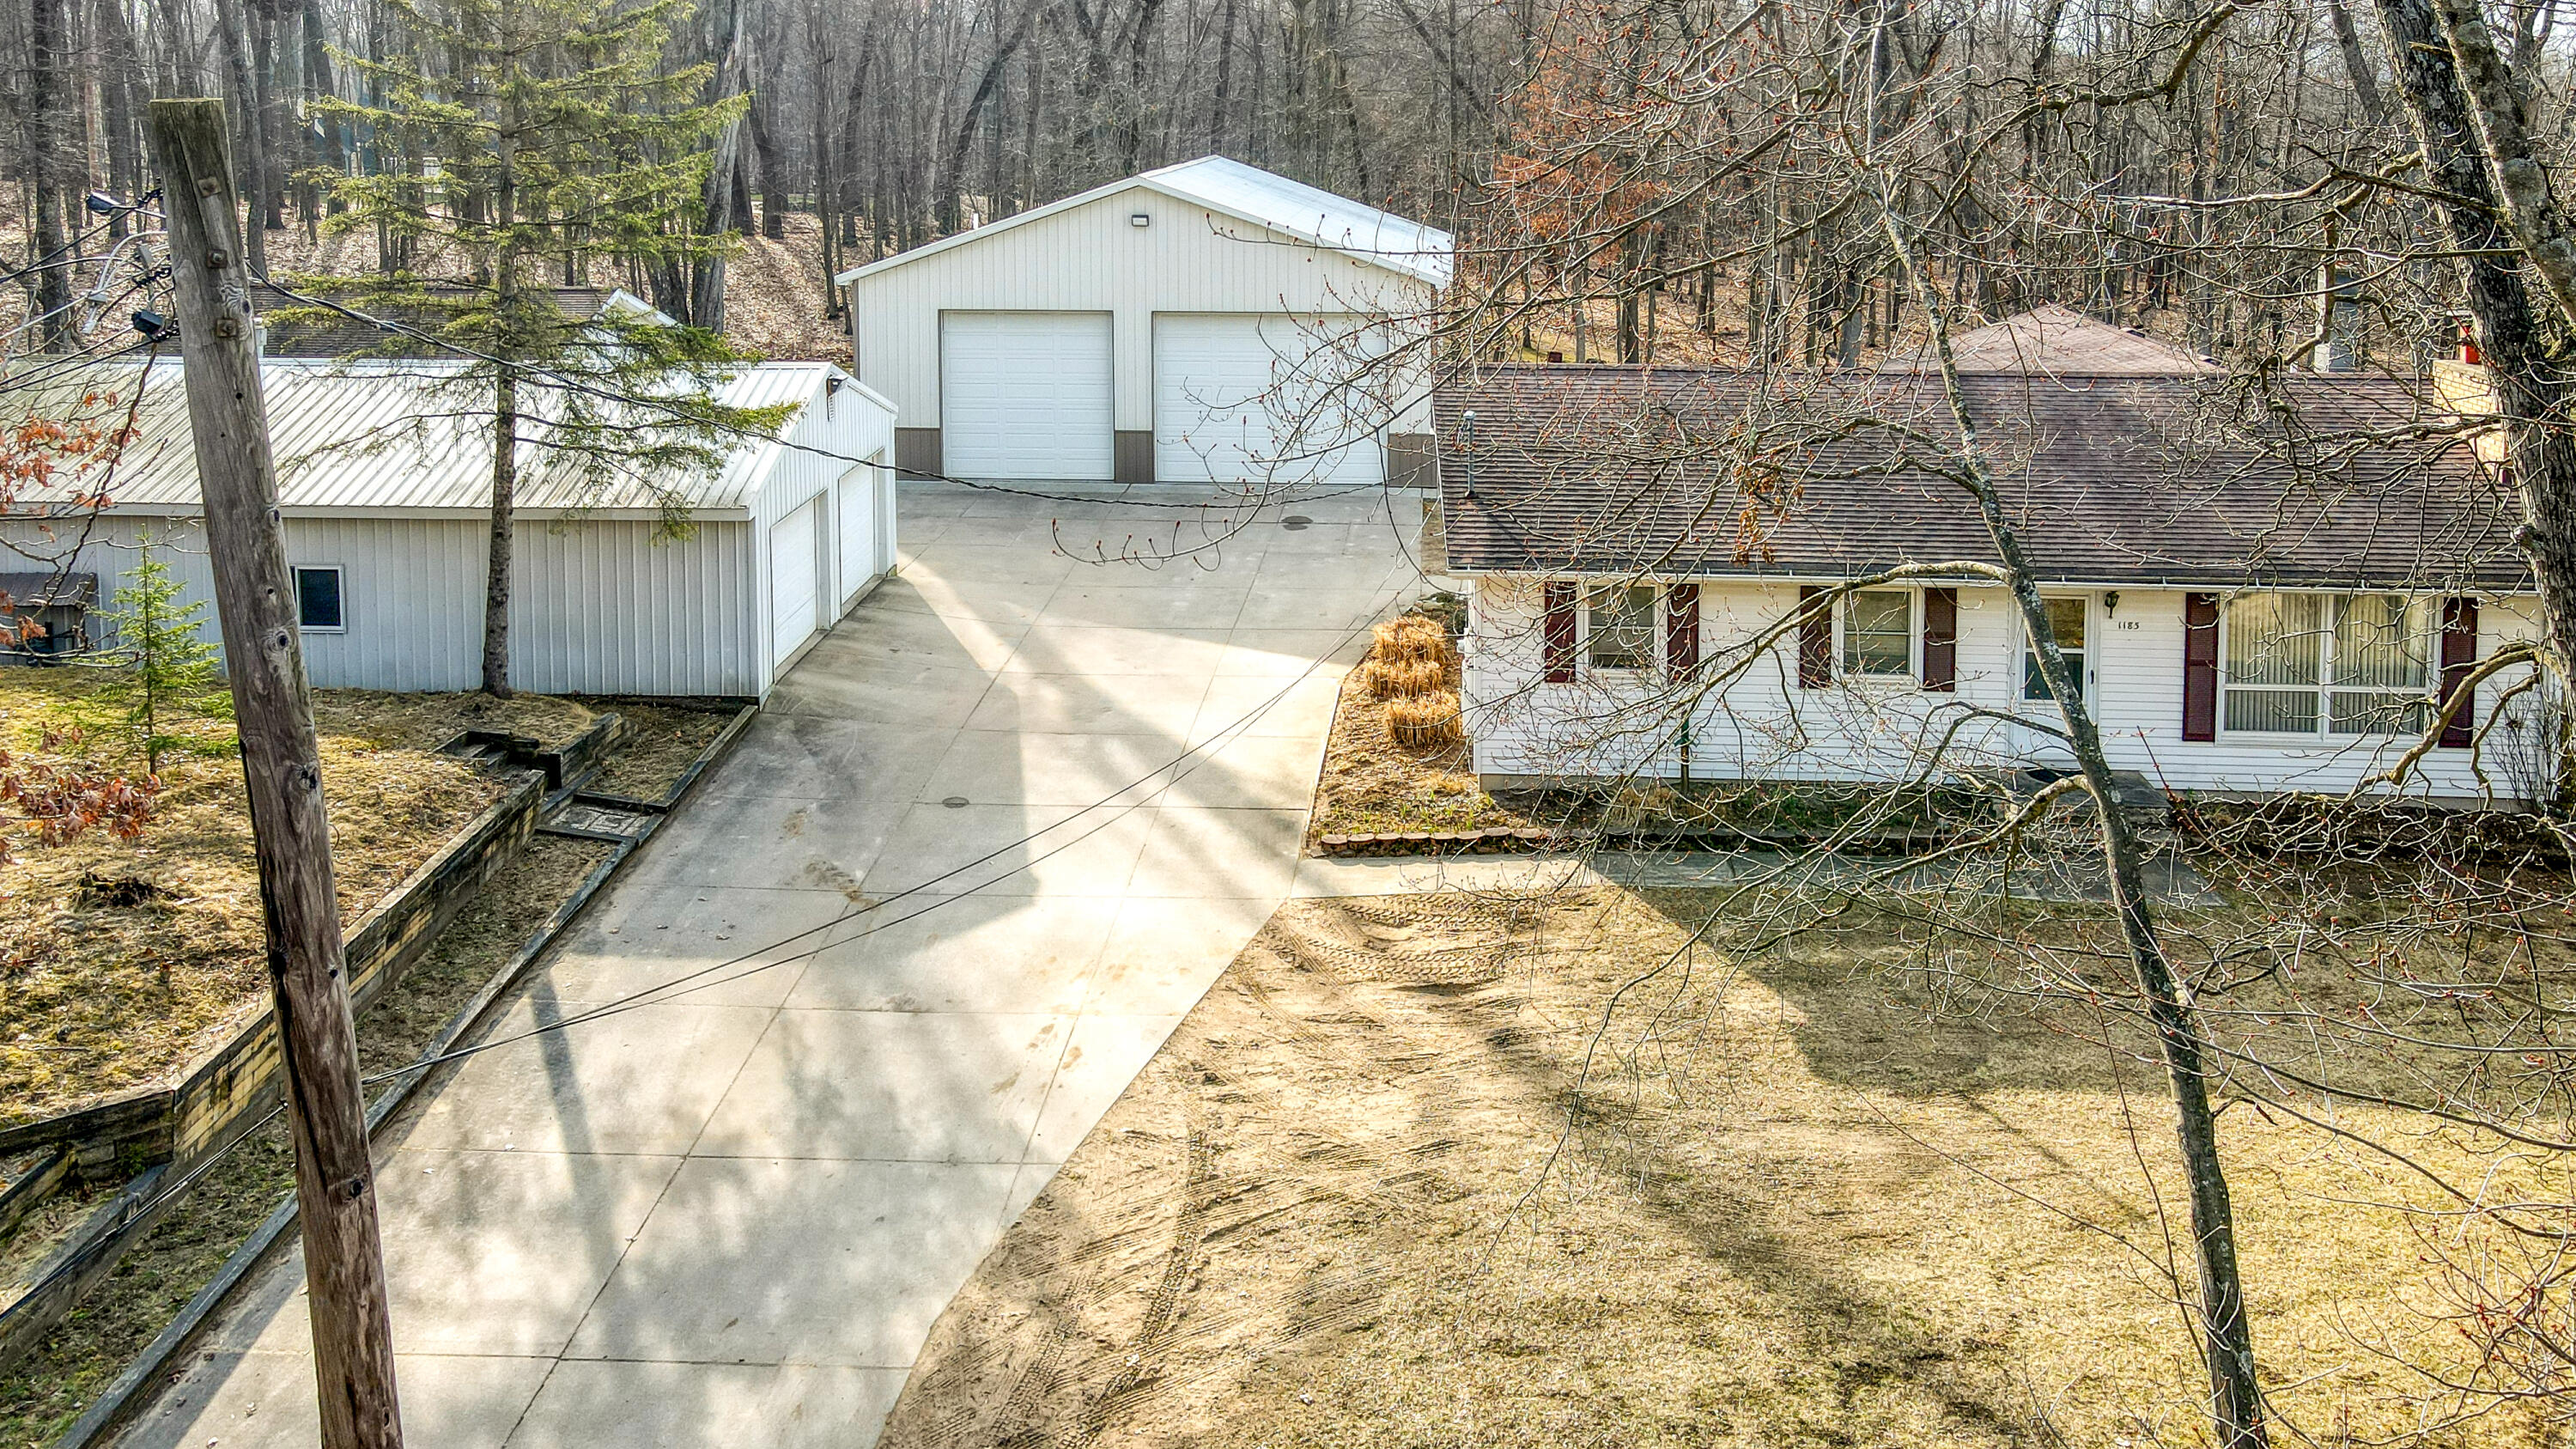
(319, 607)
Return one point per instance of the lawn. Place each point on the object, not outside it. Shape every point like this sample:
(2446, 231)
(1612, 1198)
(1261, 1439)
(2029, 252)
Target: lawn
(97, 996)
(1371, 1193)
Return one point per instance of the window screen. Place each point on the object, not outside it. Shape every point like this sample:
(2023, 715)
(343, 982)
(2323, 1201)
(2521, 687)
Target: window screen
(317, 599)
(1878, 632)
(1623, 627)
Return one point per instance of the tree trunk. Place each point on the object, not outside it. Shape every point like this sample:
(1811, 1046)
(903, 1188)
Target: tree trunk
(950, 187)
(51, 223)
(2525, 351)
(505, 421)
(2356, 62)
(2227, 1338)
(773, 172)
(232, 20)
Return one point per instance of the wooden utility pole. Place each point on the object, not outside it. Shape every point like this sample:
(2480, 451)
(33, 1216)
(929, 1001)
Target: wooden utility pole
(335, 1185)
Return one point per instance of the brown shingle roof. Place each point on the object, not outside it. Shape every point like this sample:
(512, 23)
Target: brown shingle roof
(2348, 481)
(2057, 342)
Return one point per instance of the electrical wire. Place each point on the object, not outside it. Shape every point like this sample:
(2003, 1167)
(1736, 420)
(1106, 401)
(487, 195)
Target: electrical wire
(550, 377)
(697, 980)
(1178, 768)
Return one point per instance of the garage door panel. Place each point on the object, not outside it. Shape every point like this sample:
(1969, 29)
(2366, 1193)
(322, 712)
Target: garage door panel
(1025, 395)
(1252, 398)
(795, 580)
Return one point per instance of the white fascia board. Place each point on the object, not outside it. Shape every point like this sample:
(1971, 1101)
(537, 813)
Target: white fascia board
(1144, 182)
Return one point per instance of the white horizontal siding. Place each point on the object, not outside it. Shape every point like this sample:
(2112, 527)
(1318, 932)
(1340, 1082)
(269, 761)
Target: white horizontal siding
(1761, 725)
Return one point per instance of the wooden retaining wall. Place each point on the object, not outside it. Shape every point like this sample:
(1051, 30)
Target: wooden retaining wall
(235, 1082)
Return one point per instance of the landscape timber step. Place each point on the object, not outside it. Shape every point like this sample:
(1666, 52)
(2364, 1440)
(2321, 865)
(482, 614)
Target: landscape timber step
(1504, 839)
(588, 817)
(1493, 839)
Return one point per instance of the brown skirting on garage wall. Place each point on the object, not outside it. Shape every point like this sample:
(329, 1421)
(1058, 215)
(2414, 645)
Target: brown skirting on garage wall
(1410, 461)
(1134, 458)
(916, 451)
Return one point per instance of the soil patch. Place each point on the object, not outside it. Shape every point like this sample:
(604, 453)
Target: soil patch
(40, 1396)
(1394, 1182)
(120, 961)
(660, 745)
(1372, 782)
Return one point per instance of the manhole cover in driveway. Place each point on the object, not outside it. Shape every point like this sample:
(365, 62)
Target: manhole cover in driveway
(1295, 521)
(956, 802)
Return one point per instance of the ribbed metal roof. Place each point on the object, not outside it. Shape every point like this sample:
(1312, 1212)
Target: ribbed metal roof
(411, 436)
(1247, 193)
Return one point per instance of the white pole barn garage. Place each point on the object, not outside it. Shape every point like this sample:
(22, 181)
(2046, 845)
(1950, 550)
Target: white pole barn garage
(384, 483)
(1200, 323)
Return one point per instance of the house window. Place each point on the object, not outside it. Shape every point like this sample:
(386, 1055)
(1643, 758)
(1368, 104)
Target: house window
(319, 608)
(1878, 633)
(2066, 624)
(1622, 626)
(2334, 664)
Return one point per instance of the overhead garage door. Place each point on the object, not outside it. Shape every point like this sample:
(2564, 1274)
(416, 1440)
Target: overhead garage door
(794, 580)
(1025, 395)
(1241, 398)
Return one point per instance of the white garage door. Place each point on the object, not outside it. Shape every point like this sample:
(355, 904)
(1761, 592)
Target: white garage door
(1024, 395)
(794, 580)
(1259, 399)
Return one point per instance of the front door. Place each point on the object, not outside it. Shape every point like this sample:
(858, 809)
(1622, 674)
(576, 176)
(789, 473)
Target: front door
(2070, 620)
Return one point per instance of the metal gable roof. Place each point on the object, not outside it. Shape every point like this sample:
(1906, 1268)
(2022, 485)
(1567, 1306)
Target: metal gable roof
(1249, 194)
(406, 436)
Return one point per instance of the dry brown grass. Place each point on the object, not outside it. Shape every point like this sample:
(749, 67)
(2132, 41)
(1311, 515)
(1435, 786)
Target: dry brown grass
(41, 1394)
(95, 999)
(1403, 765)
(1400, 678)
(1425, 721)
(1343, 1207)
(1413, 638)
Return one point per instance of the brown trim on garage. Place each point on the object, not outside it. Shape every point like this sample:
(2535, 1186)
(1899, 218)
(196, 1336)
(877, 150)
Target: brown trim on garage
(1411, 461)
(1132, 455)
(916, 451)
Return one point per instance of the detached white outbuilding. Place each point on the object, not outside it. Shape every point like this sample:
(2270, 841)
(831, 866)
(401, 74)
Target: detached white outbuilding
(1206, 322)
(384, 485)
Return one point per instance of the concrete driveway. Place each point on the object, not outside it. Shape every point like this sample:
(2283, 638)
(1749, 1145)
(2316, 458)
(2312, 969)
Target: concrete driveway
(730, 1216)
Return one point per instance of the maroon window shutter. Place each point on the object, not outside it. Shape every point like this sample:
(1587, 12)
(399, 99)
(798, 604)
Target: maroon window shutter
(1815, 640)
(1681, 629)
(2200, 666)
(1556, 636)
(1941, 639)
(2459, 655)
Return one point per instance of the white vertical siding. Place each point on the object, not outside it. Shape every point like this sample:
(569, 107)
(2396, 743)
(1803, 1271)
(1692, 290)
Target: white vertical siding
(1761, 724)
(834, 434)
(1091, 258)
(597, 605)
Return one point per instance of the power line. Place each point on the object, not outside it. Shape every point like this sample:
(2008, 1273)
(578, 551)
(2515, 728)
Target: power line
(553, 378)
(696, 980)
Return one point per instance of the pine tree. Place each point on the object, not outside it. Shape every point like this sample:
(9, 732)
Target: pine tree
(170, 673)
(519, 142)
